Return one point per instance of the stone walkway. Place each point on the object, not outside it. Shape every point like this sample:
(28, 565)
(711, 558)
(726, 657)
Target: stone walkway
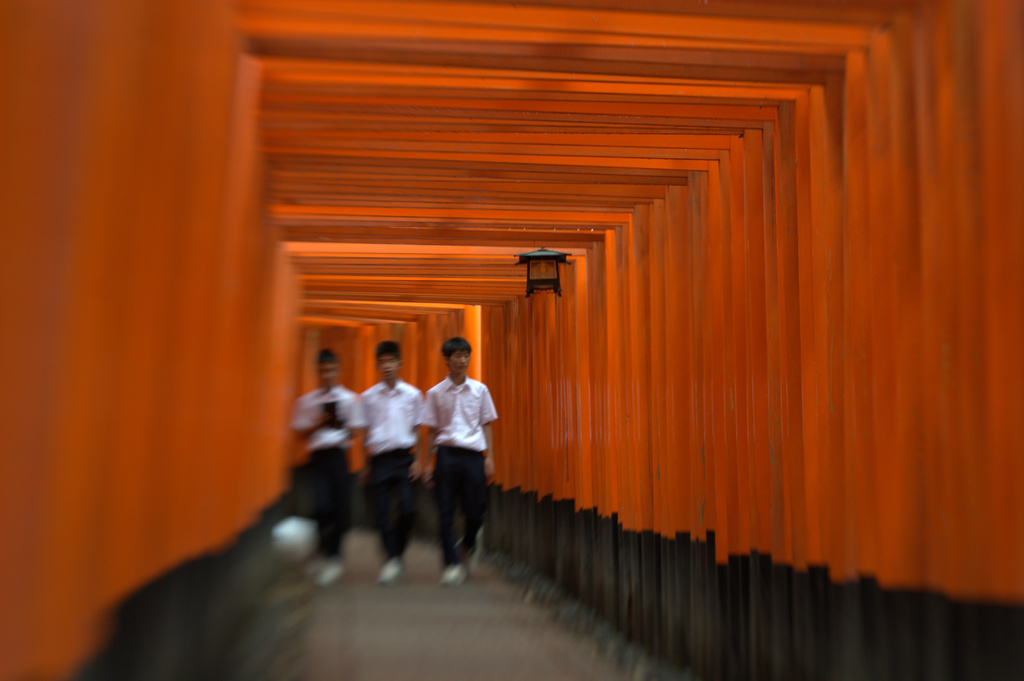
(416, 630)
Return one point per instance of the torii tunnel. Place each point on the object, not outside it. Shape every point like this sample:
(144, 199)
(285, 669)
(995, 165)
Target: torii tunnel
(770, 429)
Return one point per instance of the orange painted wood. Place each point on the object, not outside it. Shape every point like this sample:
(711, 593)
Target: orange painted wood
(142, 199)
(720, 461)
(809, 332)
(813, 280)
(657, 347)
(1002, 210)
(884, 224)
(792, 315)
(738, 383)
(791, 351)
(702, 504)
(826, 123)
(737, 541)
(757, 358)
(680, 390)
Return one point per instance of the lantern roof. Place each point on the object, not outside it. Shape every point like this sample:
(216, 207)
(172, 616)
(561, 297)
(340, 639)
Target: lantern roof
(542, 254)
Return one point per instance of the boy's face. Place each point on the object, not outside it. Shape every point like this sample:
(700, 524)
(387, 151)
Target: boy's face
(457, 362)
(388, 366)
(328, 372)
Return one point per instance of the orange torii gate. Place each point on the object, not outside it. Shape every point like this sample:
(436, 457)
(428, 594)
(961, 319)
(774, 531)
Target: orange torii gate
(788, 345)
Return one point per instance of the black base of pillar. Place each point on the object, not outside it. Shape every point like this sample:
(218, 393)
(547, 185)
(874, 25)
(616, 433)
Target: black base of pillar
(750, 619)
(190, 622)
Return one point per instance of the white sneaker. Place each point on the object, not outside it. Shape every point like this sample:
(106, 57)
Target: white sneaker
(453, 575)
(330, 572)
(390, 571)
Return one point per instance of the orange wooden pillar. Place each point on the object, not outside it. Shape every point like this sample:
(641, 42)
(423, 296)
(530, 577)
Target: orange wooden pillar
(146, 312)
(678, 365)
(471, 321)
(1001, 144)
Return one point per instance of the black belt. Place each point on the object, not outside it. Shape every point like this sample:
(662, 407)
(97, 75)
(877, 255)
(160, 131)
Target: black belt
(402, 451)
(461, 450)
(329, 450)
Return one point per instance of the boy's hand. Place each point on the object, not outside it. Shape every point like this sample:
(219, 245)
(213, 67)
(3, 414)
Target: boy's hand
(489, 467)
(414, 470)
(428, 476)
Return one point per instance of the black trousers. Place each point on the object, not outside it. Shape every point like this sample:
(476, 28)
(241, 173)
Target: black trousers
(459, 474)
(389, 473)
(332, 494)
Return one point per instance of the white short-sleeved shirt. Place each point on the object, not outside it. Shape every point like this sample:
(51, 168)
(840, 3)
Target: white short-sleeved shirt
(309, 407)
(459, 413)
(392, 416)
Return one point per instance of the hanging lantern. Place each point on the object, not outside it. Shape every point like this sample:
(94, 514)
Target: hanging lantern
(542, 270)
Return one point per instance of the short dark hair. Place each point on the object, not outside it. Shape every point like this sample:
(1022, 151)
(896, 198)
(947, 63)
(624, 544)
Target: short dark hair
(388, 348)
(453, 345)
(326, 355)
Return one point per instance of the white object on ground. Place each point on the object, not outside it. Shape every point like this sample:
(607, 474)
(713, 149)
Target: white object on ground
(294, 538)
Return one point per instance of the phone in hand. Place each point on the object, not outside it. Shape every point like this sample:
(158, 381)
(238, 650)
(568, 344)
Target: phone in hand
(331, 409)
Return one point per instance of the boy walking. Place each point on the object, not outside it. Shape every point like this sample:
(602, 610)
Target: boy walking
(394, 412)
(458, 416)
(325, 418)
